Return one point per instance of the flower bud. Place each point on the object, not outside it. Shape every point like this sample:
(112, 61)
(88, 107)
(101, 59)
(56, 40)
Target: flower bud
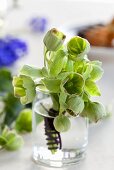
(54, 39)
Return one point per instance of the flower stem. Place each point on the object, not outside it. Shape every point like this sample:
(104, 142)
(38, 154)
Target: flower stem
(55, 100)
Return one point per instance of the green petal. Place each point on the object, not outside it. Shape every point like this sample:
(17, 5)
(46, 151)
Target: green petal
(73, 84)
(14, 143)
(92, 88)
(17, 81)
(19, 92)
(96, 73)
(94, 111)
(53, 85)
(62, 123)
(76, 104)
(29, 85)
(58, 63)
(31, 72)
(77, 47)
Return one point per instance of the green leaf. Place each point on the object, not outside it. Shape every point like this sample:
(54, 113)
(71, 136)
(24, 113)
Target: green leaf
(42, 88)
(97, 63)
(55, 101)
(96, 73)
(12, 108)
(79, 63)
(44, 72)
(53, 85)
(87, 71)
(10, 140)
(62, 101)
(91, 88)
(63, 75)
(31, 71)
(2, 106)
(62, 123)
(5, 81)
(94, 111)
(76, 104)
(58, 63)
(24, 121)
(5, 131)
(15, 141)
(77, 47)
(86, 97)
(69, 66)
(3, 141)
(73, 84)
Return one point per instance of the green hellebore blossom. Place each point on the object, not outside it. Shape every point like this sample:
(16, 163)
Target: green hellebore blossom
(77, 47)
(73, 84)
(54, 39)
(24, 88)
(94, 111)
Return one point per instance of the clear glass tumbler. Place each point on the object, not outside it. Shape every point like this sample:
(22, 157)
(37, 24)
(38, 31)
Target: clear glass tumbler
(54, 149)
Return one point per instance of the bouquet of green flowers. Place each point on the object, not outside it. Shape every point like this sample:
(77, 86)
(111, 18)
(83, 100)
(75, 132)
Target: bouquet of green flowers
(68, 76)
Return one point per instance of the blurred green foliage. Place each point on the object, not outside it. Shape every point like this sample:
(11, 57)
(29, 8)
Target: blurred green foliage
(10, 109)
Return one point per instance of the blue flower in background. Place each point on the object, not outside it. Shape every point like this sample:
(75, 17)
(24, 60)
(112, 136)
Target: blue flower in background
(11, 49)
(38, 24)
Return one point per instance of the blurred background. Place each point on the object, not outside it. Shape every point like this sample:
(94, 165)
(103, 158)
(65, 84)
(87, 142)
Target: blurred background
(63, 14)
(28, 21)
(23, 24)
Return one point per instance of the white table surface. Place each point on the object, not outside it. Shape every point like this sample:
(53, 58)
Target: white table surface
(100, 154)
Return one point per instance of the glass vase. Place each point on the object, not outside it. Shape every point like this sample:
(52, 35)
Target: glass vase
(54, 149)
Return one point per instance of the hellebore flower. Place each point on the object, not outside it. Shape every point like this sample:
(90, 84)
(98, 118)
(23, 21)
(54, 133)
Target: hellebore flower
(24, 88)
(11, 49)
(77, 47)
(73, 84)
(54, 39)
